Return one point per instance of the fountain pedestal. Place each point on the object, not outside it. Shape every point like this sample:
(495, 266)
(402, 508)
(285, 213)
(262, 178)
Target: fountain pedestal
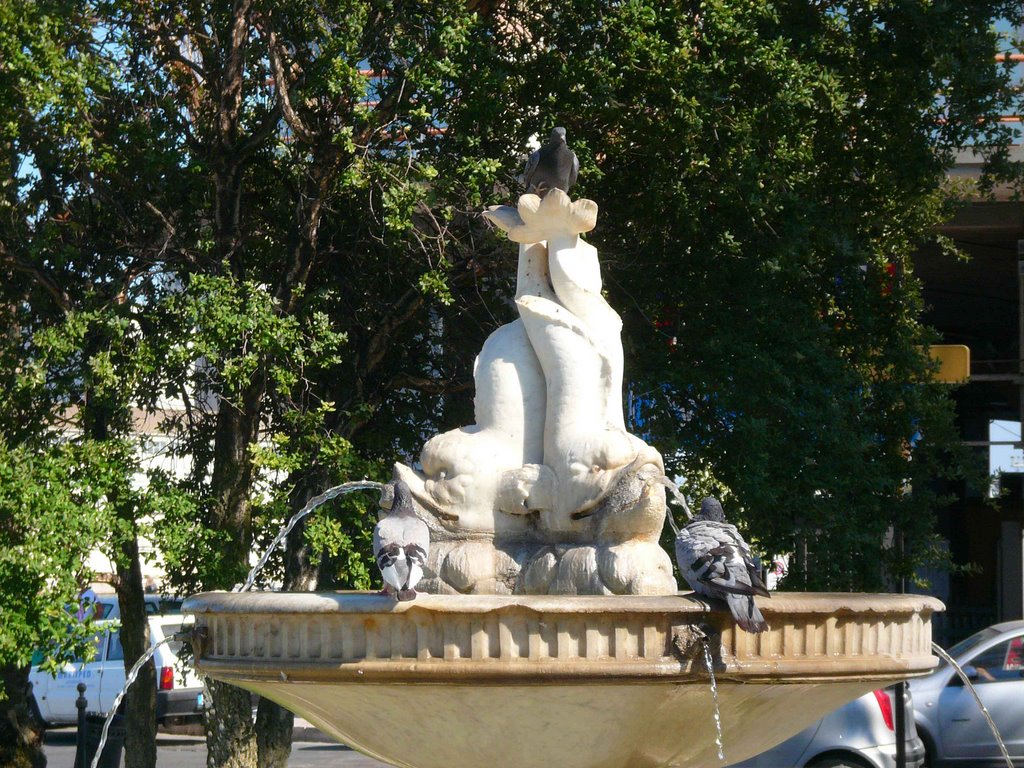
(580, 681)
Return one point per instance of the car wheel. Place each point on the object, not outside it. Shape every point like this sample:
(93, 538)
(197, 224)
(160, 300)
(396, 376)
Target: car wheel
(839, 761)
(929, 748)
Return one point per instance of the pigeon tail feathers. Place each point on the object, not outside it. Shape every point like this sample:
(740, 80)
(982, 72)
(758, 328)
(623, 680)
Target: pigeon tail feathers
(746, 613)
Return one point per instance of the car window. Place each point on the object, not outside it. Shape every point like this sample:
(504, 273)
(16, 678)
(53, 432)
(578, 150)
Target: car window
(169, 630)
(1003, 661)
(114, 650)
(97, 644)
(958, 650)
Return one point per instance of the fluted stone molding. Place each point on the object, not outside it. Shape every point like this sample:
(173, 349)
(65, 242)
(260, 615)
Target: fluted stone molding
(624, 680)
(547, 493)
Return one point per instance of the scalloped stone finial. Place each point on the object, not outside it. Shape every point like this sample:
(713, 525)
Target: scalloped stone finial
(535, 218)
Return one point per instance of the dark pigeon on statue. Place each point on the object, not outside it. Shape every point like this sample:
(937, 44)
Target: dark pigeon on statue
(553, 166)
(400, 544)
(716, 562)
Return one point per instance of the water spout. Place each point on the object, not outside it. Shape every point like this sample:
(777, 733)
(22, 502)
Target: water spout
(316, 501)
(680, 498)
(709, 662)
(938, 650)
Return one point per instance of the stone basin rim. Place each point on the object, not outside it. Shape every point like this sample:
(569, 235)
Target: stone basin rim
(362, 637)
(445, 674)
(781, 603)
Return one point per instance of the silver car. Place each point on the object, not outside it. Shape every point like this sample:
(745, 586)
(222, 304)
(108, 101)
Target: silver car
(953, 729)
(860, 734)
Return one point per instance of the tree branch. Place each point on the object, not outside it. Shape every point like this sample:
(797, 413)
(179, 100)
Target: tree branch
(295, 122)
(44, 281)
(234, 70)
(429, 386)
(262, 132)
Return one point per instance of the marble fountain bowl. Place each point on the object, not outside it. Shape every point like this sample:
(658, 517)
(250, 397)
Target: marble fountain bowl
(573, 681)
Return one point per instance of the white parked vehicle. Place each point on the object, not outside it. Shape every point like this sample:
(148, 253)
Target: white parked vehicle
(860, 734)
(105, 606)
(179, 696)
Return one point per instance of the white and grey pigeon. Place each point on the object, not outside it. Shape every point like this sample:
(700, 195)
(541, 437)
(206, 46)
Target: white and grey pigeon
(716, 562)
(400, 544)
(553, 166)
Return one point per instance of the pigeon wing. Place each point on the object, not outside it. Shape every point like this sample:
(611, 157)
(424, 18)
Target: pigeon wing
(719, 560)
(574, 172)
(416, 541)
(531, 168)
(753, 571)
(692, 548)
(389, 553)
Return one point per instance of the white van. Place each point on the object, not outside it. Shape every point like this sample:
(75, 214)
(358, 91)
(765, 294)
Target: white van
(179, 696)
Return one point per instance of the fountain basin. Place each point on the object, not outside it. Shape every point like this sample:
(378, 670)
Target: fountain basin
(576, 681)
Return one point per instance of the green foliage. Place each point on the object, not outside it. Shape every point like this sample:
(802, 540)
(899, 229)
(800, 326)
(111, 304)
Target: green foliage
(50, 517)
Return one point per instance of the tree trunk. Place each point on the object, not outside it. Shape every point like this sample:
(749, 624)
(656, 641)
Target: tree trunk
(274, 726)
(21, 734)
(140, 703)
(140, 707)
(230, 736)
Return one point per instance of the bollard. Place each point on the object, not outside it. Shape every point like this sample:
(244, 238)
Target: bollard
(900, 696)
(80, 704)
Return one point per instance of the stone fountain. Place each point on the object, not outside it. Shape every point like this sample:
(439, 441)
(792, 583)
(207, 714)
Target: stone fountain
(553, 633)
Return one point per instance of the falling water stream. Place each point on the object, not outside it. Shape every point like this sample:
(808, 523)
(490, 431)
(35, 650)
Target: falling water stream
(132, 674)
(714, 698)
(984, 710)
(316, 501)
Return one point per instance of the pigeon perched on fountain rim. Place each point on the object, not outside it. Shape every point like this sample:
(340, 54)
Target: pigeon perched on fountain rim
(716, 562)
(400, 544)
(553, 166)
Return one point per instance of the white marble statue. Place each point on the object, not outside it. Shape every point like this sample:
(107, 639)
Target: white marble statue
(547, 492)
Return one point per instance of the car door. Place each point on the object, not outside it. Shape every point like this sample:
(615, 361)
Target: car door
(113, 674)
(57, 701)
(998, 679)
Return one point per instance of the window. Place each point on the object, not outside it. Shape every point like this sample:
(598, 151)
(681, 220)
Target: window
(97, 644)
(114, 650)
(1001, 662)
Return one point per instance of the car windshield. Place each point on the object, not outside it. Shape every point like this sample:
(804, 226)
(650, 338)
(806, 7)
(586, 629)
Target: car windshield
(965, 645)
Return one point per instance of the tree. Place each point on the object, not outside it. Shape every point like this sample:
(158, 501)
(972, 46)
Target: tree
(207, 152)
(766, 171)
(73, 356)
(47, 525)
(269, 212)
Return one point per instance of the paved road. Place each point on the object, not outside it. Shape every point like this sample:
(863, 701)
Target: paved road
(190, 752)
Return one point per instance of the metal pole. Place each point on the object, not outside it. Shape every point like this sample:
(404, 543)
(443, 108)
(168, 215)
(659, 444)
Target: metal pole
(900, 690)
(1020, 332)
(901, 724)
(80, 704)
